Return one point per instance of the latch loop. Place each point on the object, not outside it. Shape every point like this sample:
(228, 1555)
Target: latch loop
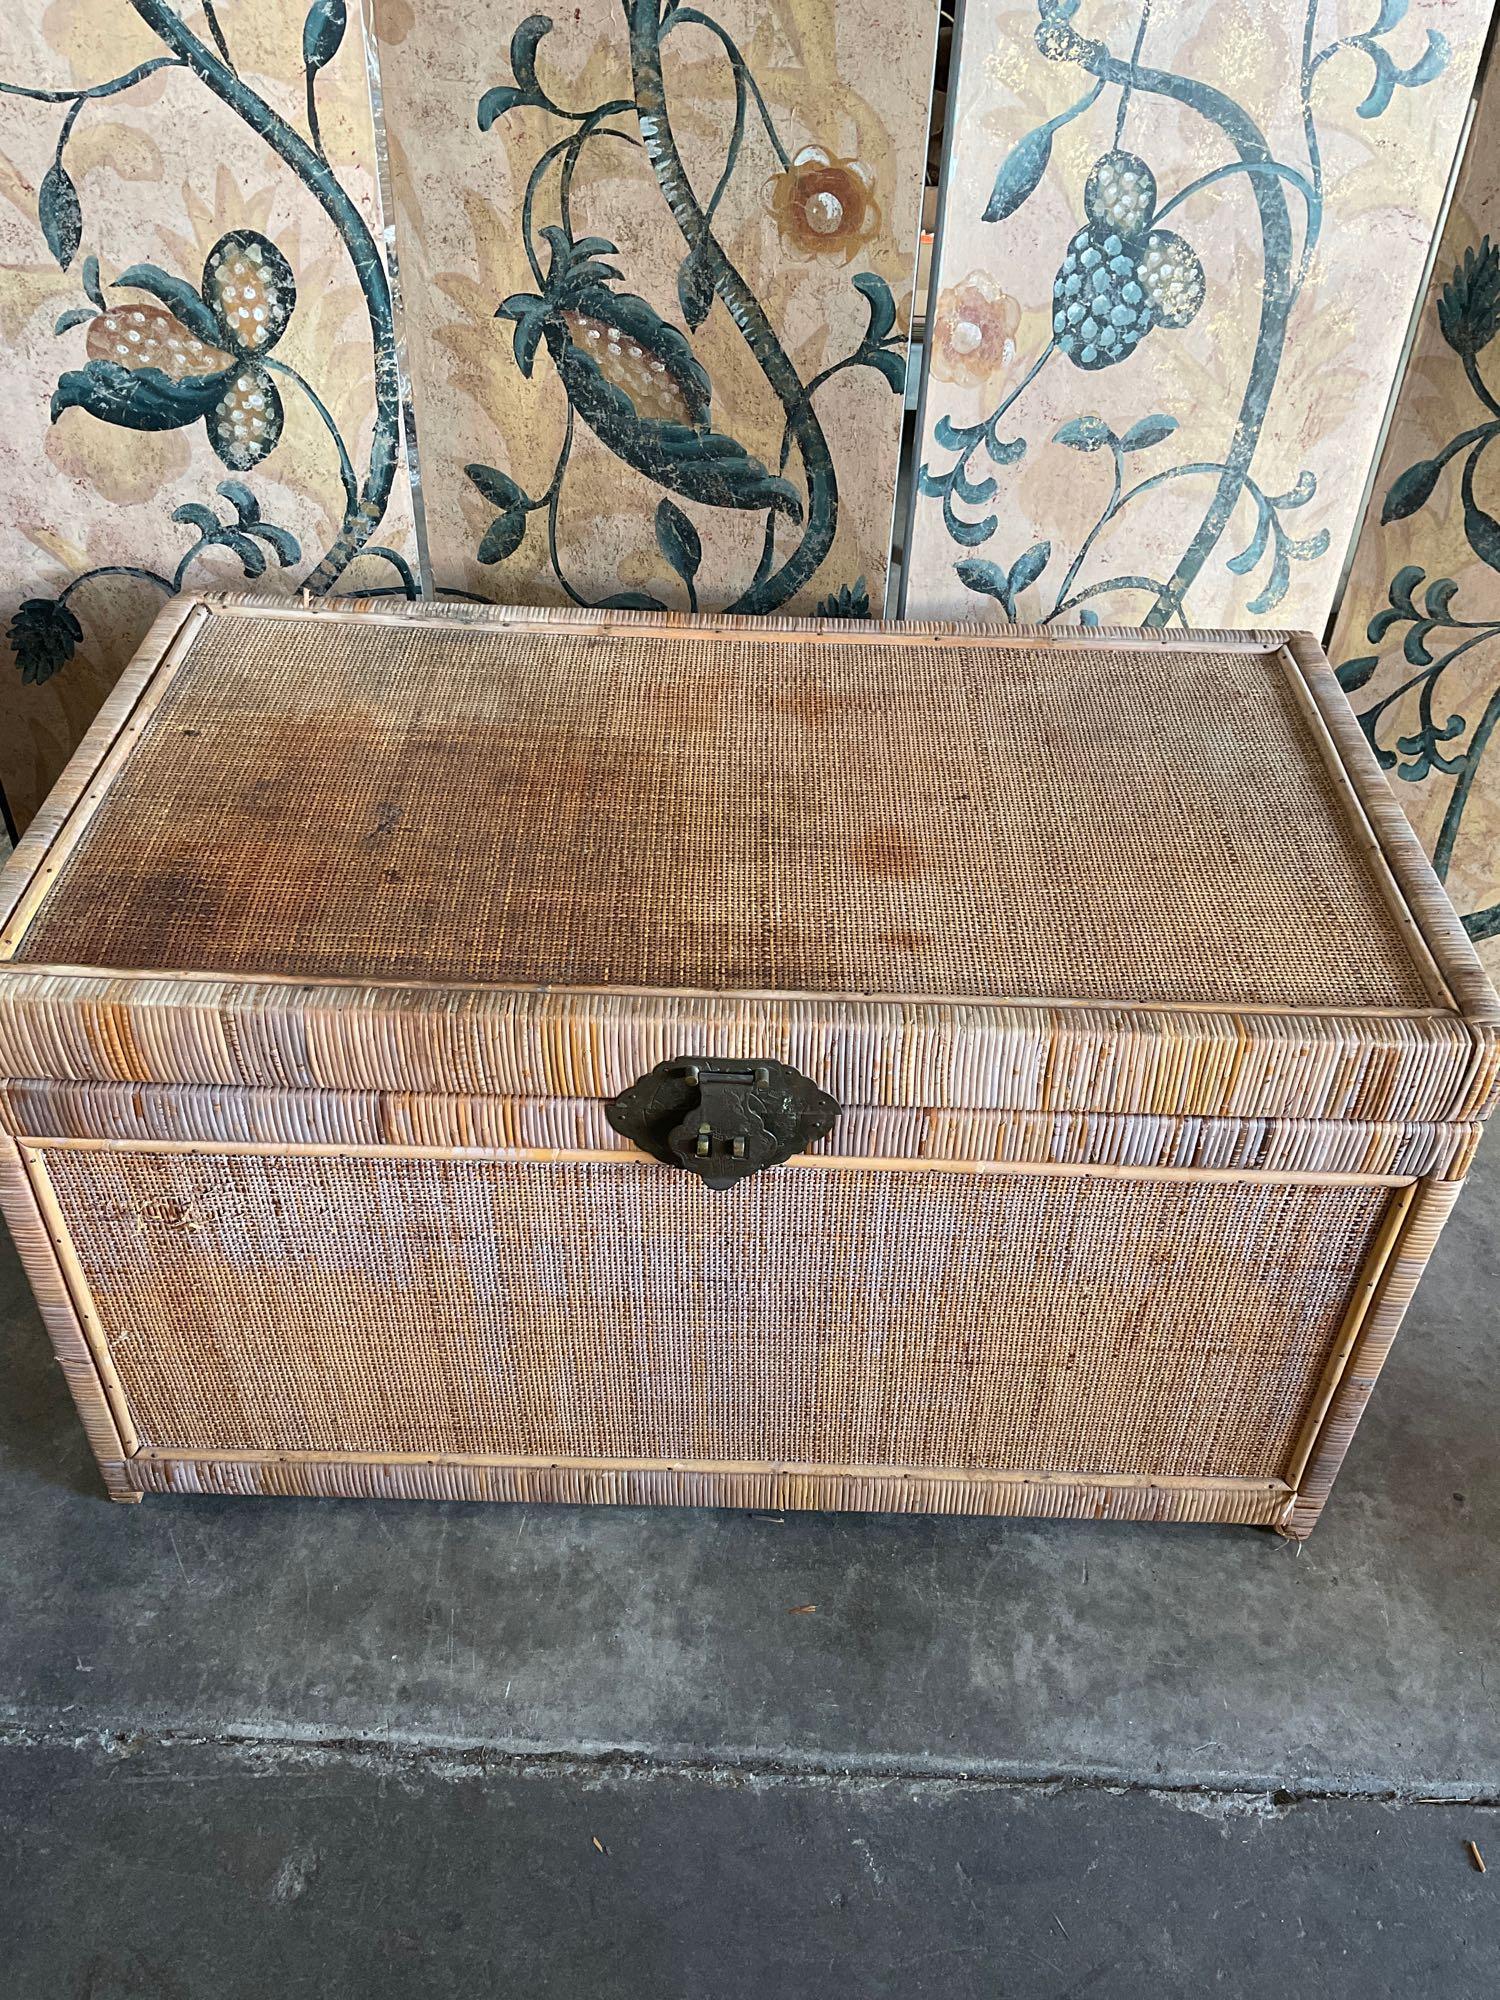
(722, 1120)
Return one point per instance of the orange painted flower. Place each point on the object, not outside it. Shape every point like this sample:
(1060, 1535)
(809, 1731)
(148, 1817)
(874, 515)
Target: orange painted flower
(974, 330)
(824, 206)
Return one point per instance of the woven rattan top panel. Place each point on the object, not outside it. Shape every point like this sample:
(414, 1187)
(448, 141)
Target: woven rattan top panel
(349, 797)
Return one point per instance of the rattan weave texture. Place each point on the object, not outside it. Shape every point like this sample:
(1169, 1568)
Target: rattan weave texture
(596, 1310)
(689, 810)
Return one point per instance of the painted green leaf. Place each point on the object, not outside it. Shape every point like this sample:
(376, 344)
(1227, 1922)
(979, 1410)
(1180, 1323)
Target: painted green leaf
(950, 436)
(1439, 596)
(1020, 174)
(243, 501)
(973, 492)
(91, 286)
(1415, 646)
(252, 556)
(59, 213)
(43, 635)
(1482, 532)
(887, 362)
(579, 250)
(877, 294)
(1149, 431)
(1403, 583)
(1354, 673)
(139, 399)
(987, 578)
(1277, 582)
(523, 48)
(497, 487)
(678, 541)
(1255, 548)
(178, 296)
(528, 335)
(1412, 490)
(496, 102)
(972, 533)
(322, 32)
(1310, 547)
(503, 536)
(525, 89)
(1028, 567)
(1084, 434)
(631, 600)
(74, 316)
(1297, 495)
(194, 515)
(281, 541)
(1428, 66)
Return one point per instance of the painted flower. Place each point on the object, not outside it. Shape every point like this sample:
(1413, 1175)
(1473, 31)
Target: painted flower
(1120, 277)
(193, 355)
(824, 206)
(974, 330)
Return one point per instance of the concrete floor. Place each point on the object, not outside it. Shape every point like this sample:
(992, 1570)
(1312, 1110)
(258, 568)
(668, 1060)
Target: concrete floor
(318, 1748)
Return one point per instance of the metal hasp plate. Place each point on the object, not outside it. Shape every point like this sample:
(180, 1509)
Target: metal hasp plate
(722, 1120)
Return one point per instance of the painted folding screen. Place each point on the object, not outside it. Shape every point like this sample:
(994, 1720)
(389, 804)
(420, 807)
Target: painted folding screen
(1179, 248)
(1417, 644)
(200, 381)
(658, 264)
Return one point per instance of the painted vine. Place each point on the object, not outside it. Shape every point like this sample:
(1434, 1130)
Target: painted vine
(1124, 278)
(162, 352)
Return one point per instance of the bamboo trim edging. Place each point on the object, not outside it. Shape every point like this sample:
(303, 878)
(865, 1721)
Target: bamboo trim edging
(1365, 1292)
(713, 624)
(1167, 1482)
(744, 1485)
(327, 982)
(84, 1310)
(36, 1244)
(1430, 1205)
(632, 1157)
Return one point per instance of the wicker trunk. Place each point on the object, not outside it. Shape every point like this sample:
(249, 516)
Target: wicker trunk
(604, 1056)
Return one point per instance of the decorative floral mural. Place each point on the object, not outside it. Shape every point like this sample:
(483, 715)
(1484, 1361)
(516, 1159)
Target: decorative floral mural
(1417, 642)
(201, 372)
(1164, 338)
(659, 264)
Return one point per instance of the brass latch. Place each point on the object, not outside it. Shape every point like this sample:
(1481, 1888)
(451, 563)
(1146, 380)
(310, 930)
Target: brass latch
(722, 1120)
